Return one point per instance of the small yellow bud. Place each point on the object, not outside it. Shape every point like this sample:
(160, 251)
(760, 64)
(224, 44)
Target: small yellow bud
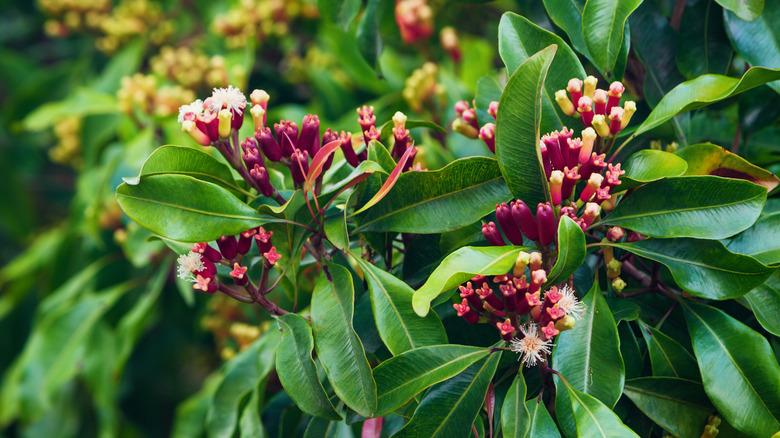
(564, 103)
(523, 259)
(600, 125)
(618, 285)
(566, 323)
(590, 86)
(225, 117)
(629, 108)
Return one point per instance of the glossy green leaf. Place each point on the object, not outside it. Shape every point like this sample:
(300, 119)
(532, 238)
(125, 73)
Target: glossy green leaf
(702, 91)
(338, 346)
(449, 408)
(429, 202)
(181, 160)
(519, 38)
(460, 266)
(183, 208)
(744, 9)
(603, 22)
(757, 40)
(678, 405)
(704, 268)
(83, 102)
(650, 165)
(242, 375)
(402, 377)
(391, 303)
(629, 349)
(341, 12)
(571, 250)
(739, 372)
(368, 35)
(250, 424)
(297, 371)
(702, 44)
(765, 302)
(515, 419)
(710, 159)
(518, 128)
(593, 418)
(567, 14)
(759, 241)
(706, 207)
(542, 424)
(588, 355)
(667, 356)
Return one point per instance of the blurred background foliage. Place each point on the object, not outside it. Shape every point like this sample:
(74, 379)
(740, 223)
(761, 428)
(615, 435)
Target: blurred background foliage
(98, 337)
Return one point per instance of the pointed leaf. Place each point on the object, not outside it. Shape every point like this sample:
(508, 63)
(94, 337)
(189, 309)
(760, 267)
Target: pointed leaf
(765, 302)
(450, 408)
(745, 9)
(402, 377)
(650, 165)
(704, 268)
(567, 14)
(739, 371)
(571, 250)
(515, 419)
(710, 159)
(759, 241)
(603, 22)
(678, 405)
(459, 267)
(593, 418)
(588, 355)
(706, 207)
(758, 40)
(518, 128)
(180, 160)
(338, 346)
(297, 371)
(667, 356)
(542, 424)
(391, 303)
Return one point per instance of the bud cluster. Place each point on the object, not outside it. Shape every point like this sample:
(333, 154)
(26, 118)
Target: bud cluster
(516, 220)
(189, 68)
(448, 38)
(596, 107)
(68, 148)
(414, 19)
(466, 123)
(141, 93)
(517, 304)
(422, 89)
(259, 20)
(200, 265)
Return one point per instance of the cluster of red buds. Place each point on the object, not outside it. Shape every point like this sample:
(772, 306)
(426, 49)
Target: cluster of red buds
(466, 123)
(515, 305)
(200, 264)
(596, 107)
(414, 19)
(516, 220)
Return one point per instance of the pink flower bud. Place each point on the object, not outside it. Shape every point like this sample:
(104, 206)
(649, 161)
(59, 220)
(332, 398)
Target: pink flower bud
(600, 101)
(549, 331)
(508, 225)
(573, 148)
(552, 296)
(486, 293)
(366, 117)
(488, 134)
(239, 274)
(506, 328)
(521, 215)
(594, 183)
(553, 150)
(461, 106)
(591, 213)
(207, 251)
(272, 257)
(594, 165)
(615, 234)
(491, 234)
(570, 179)
(245, 240)
(470, 116)
(299, 166)
(615, 120)
(546, 221)
(263, 239)
(228, 246)
(467, 292)
(262, 181)
(574, 87)
(588, 137)
(538, 278)
(556, 183)
(348, 150)
(205, 284)
(564, 135)
(613, 175)
(286, 134)
(616, 90)
(251, 155)
(309, 139)
(466, 312)
(268, 144)
(585, 108)
(546, 162)
(493, 109)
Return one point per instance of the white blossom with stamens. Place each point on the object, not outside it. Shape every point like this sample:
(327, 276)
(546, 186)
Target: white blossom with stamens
(230, 98)
(531, 347)
(190, 111)
(189, 263)
(569, 303)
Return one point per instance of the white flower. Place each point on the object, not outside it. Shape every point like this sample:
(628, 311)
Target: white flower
(530, 347)
(231, 98)
(570, 304)
(190, 111)
(189, 263)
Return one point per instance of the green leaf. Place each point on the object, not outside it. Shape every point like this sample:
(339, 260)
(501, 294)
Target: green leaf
(181, 160)
(667, 356)
(460, 266)
(368, 36)
(744, 9)
(702, 91)
(593, 418)
(677, 405)
(706, 207)
(710, 159)
(341, 12)
(515, 419)
(519, 39)
(567, 14)
(702, 44)
(588, 355)
(250, 423)
(740, 374)
(391, 303)
(338, 346)
(757, 40)
(297, 371)
(759, 241)
(542, 424)
(449, 408)
(765, 302)
(191, 413)
(650, 165)
(704, 268)
(83, 102)
(518, 128)
(603, 22)
(402, 377)
(571, 250)
(183, 208)
(242, 375)
(436, 201)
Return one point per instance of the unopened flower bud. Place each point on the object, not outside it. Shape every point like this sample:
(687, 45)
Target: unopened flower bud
(228, 246)
(523, 259)
(286, 134)
(538, 278)
(585, 108)
(299, 165)
(245, 240)
(629, 108)
(556, 183)
(601, 126)
(618, 285)
(225, 125)
(564, 103)
(199, 136)
(615, 120)
(594, 183)
(259, 97)
(466, 312)
(613, 268)
(566, 323)
(488, 134)
(574, 87)
(521, 214)
(263, 182)
(309, 139)
(239, 274)
(506, 328)
(545, 218)
(449, 42)
(571, 177)
(348, 150)
(461, 127)
(268, 144)
(572, 155)
(588, 137)
(207, 251)
(536, 260)
(258, 116)
(272, 256)
(552, 145)
(508, 225)
(600, 101)
(493, 109)
(616, 90)
(589, 86)
(591, 213)
(461, 106)
(616, 233)
(492, 235)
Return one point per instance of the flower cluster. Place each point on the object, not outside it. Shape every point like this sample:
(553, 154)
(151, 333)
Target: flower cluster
(596, 107)
(200, 264)
(414, 19)
(68, 148)
(466, 123)
(189, 68)
(258, 20)
(422, 90)
(517, 304)
(141, 93)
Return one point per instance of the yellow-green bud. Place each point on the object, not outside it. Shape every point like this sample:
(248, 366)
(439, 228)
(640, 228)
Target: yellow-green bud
(224, 123)
(618, 285)
(566, 323)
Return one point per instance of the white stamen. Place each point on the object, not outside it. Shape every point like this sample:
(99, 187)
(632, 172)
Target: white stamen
(530, 347)
(189, 263)
(190, 111)
(570, 304)
(231, 98)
